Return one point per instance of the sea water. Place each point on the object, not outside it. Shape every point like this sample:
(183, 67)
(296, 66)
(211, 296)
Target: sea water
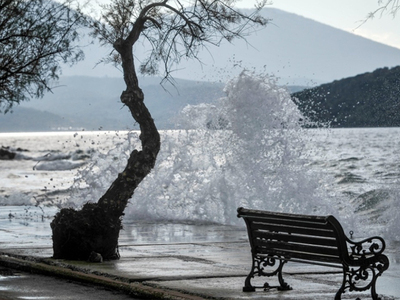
(247, 149)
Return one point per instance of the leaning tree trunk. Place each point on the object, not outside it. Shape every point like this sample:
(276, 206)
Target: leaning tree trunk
(95, 228)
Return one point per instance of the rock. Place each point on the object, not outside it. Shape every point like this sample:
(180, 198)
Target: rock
(95, 257)
(6, 154)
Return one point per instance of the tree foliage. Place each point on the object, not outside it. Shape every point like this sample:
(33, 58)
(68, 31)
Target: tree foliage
(172, 29)
(390, 7)
(36, 37)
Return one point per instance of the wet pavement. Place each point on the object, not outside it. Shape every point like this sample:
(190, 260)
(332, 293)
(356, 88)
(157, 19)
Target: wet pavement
(22, 285)
(161, 261)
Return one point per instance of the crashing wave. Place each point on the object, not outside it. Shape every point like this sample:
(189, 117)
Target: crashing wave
(60, 165)
(246, 149)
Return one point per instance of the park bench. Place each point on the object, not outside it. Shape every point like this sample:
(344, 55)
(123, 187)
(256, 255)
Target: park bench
(276, 238)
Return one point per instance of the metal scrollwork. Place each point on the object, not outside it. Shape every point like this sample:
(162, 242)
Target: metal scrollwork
(259, 268)
(364, 277)
(263, 262)
(361, 250)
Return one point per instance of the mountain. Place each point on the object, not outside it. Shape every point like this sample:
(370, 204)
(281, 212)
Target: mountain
(92, 103)
(366, 100)
(28, 119)
(296, 49)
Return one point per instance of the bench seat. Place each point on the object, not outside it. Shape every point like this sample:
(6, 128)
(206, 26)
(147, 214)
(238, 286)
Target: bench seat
(276, 238)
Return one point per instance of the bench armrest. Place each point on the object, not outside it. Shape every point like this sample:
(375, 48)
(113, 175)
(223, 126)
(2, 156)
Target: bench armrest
(369, 247)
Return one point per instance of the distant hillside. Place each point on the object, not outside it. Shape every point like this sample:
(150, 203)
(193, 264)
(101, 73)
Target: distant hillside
(298, 50)
(93, 103)
(28, 119)
(366, 100)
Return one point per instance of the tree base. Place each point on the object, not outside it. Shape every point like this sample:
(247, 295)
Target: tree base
(76, 234)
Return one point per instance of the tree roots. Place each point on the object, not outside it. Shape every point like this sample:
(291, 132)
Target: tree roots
(76, 234)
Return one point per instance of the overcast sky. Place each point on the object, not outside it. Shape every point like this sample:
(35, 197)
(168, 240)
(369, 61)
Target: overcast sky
(343, 14)
(346, 15)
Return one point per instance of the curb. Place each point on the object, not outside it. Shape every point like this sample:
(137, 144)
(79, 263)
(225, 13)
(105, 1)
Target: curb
(136, 289)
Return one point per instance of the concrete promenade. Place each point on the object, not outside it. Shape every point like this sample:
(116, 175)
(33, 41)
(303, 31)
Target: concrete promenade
(172, 261)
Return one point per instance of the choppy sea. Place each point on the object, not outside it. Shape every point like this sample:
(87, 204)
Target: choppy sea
(247, 149)
(360, 166)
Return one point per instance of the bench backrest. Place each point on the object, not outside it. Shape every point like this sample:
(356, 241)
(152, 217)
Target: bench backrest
(293, 236)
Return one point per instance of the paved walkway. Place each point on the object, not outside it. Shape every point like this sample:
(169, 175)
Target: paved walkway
(173, 261)
(17, 285)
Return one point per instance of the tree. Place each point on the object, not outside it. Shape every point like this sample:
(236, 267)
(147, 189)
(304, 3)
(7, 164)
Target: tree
(36, 37)
(172, 30)
(390, 6)
(384, 6)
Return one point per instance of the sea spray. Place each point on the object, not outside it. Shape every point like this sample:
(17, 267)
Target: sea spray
(367, 207)
(93, 179)
(247, 149)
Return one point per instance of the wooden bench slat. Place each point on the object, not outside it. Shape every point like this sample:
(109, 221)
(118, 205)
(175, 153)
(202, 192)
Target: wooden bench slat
(313, 240)
(266, 214)
(328, 232)
(291, 222)
(272, 246)
(303, 256)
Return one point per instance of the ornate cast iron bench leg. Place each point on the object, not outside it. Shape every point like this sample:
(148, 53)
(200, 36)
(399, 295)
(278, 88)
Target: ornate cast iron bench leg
(247, 283)
(363, 278)
(258, 268)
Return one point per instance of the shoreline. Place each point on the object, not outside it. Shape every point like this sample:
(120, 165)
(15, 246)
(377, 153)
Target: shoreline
(177, 261)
